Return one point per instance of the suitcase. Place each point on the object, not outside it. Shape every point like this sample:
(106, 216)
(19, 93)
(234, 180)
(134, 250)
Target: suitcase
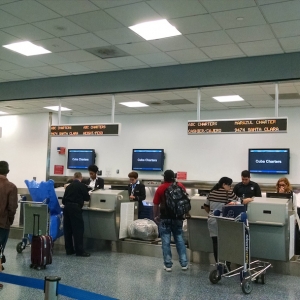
(233, 211)
(41, 247)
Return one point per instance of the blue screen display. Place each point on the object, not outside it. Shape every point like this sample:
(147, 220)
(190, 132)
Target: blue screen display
(148, 159)
(269, 161)
(80, 158)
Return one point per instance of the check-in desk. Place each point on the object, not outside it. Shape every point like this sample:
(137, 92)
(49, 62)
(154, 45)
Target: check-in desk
(271, 228)
(198, 234)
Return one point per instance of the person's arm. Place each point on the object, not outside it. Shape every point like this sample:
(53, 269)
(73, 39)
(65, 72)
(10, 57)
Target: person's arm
(257, 190)
(12, 204)
(142, 195)
(156, 208)
(86, 195)
(101, 183)
(156, 213)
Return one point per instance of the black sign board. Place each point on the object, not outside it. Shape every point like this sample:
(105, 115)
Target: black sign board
(274, 125)
(85, 130)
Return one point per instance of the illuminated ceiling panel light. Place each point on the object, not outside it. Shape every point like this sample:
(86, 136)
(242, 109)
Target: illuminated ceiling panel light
(27, 48)
(231, 98)
(155, 30)
(3, 113)
(56, 108)
(134, 104)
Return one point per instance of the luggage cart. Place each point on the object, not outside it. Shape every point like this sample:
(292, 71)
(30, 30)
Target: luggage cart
(234, 246)
(29, 209)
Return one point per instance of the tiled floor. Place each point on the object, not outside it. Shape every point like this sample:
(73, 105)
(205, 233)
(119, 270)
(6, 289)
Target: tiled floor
(130, 277)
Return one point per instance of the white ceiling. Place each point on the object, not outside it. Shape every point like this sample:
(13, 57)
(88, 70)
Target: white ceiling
(210, 31)
(255, 95)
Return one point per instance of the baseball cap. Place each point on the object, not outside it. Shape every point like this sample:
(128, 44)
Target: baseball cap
(169, 174)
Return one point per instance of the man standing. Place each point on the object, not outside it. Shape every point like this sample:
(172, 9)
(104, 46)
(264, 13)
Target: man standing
(169, 223)
(8, 207)
(75, 195)
(247, 189)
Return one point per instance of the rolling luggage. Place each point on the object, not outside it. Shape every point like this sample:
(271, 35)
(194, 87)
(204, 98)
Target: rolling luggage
(41, 247)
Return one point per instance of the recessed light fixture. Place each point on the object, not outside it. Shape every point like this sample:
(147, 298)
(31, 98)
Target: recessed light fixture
(134, 104)
(230, 98)
(155, 30)
(3, 113)
(27, 48)
(240, 19)
(56, 108)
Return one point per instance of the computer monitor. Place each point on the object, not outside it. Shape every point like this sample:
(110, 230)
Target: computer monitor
(148, 159)
(81, 158)
(279, 195)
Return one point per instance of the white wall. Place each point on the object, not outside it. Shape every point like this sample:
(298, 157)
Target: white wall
(206, 157)
(24, 146)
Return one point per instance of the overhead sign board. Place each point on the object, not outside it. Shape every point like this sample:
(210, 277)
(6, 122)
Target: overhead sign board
(85, 130)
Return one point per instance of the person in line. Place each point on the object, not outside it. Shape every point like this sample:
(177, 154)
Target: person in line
(220, 195)
(136, 191)
(247, 189)
(168, 223)
(283, 186)
(8, 206)
(94, 182)
(75, 195)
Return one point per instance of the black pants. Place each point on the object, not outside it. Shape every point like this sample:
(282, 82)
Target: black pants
(297, 236)
(73, 228)
(215, 247)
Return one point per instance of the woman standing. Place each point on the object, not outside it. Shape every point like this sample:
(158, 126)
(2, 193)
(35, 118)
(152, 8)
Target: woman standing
(220, 195)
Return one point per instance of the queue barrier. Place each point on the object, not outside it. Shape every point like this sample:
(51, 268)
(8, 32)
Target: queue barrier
(61, 289)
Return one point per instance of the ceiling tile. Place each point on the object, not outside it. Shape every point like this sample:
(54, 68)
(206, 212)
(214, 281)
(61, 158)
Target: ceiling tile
(280, 12)
(60, 27)
(9, 76)
(194, 24)
(263, 103)
(188, 55)
(228, 19)
(164, 95)
(119, 36)
(6, 1)
(99, 65)
(53, 59)
(212, 38)
(29, 11)
(7, 39)
(27, 73)
(264, 2)
(249, 34)
(95, 21)
(28, 32)
(286, 29)
(85, 41)
(124, 62)
(173, 43)
(7, 20)
(290, 44)
(50, 71)
(215, 6)
(133, 14)
(7, 66)
(56, 45)
(236, 104)
(214, 106)
(223, 51)
(77, 55)
(257, 97)
(295, 102)
(138, 48)
(255, 90)
(113, 3)
(156, 58)
(177, 8)
(72, 67)
(261, 47)
(186, 93)
(67, 8)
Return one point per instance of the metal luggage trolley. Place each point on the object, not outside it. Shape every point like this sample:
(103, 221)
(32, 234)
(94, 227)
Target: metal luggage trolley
(234, 246)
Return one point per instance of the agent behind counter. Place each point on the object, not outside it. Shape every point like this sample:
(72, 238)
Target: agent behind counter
(94, 182)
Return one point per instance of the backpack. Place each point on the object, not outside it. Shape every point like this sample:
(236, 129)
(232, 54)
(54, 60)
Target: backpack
(178, 202)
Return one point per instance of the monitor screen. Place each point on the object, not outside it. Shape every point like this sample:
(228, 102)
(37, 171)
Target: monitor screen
(279, 195)
(81, 158)
(148, 159)
(269, 161)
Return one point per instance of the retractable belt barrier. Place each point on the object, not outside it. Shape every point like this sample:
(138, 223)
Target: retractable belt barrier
(63, 290)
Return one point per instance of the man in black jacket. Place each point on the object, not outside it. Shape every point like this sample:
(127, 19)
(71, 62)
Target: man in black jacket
(136, 190)
(94, 182)
(75, 195)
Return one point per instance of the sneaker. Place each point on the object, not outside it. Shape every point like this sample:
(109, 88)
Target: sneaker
(168, 269)
(185, 268)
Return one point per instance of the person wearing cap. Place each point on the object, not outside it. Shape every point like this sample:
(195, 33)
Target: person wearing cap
(8, 204)
(94, 182)
(136, 191)
(167, 224)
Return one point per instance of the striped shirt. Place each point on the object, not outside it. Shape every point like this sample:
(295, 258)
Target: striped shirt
(220, 197)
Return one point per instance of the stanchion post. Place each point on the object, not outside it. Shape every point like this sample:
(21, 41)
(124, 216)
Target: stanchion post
(51, 287)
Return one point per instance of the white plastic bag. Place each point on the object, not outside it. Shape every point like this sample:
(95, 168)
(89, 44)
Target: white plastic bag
(143, 229)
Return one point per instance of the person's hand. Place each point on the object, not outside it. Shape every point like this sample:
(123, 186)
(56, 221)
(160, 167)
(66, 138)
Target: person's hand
(247, 200)
(157, 219)
(232, 203)
(90, 192)
(131, 197)
(281, 189)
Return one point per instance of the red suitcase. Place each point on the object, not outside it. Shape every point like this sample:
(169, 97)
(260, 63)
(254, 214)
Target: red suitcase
(41, 247)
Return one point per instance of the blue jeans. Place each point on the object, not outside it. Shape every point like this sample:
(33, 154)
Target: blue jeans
(3, 236)
(166, 226)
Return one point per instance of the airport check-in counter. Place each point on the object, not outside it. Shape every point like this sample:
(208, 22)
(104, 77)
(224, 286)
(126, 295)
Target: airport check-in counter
(102, 215)
(272, 224)
(199, 239)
